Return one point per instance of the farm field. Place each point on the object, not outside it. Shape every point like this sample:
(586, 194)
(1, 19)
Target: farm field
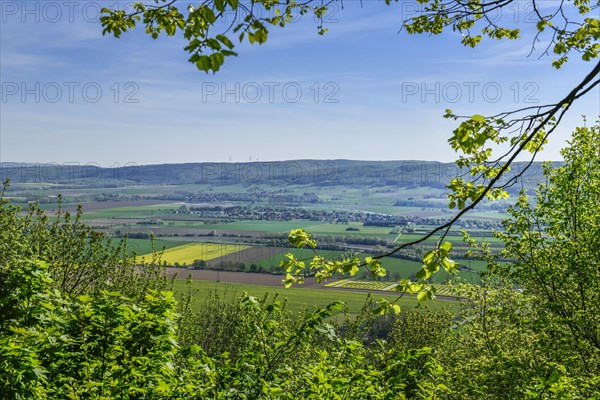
(260, 226)
(302, 254)
(141, 211)
(342, 229)
(442, 290)
(296, 297)
(186, 254)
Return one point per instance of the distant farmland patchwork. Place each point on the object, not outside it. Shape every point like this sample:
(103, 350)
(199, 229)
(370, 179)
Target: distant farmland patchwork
(242, 227)
(269, 258)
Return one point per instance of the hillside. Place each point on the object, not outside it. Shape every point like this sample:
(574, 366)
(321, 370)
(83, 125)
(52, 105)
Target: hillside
(278, 173)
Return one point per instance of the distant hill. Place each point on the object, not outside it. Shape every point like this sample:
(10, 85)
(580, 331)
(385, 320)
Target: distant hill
(277, 173)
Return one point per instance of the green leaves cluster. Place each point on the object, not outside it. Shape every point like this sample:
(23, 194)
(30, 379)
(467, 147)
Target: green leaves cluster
(433, 260)
(277, 355)
(473, 139)
(462, 17)
(473, 19)
(209, 39)
(570, 31)
(555, 241)
(103, 346)
(80, 260)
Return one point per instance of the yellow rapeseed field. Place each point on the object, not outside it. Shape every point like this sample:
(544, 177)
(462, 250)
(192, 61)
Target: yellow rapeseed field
(188, 253)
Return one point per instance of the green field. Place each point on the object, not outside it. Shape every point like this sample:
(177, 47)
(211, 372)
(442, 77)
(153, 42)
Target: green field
(301, 254)
(145, 211)
(186, 254)
(442, 290)
(405, 268)
(341, 229)
(260, 226)
(296, 297)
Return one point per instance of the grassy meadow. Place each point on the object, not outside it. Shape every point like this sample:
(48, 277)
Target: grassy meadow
(296, 298)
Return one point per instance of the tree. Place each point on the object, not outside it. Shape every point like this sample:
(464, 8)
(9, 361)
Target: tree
(555, 241)
(541, 340)
(80, 260)
(571, 28)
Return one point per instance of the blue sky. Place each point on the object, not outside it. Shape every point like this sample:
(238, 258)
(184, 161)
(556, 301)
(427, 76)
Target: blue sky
(362, 91)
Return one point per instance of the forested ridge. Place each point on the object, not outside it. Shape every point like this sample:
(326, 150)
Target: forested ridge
(276, 173)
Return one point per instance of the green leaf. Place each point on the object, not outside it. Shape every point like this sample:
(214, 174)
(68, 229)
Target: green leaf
(225, 40)
(171, 29)
(85, 298)
(203, 63)
(219, 5)
(424, 273)
(213, 44)
(429, 257)
(446, 247)
(449, 265)
(261, 36)
(478, 118)
(425, 295)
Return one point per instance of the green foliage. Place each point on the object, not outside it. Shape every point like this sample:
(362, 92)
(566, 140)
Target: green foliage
(576, 31)
(273, 353)
(556, 243)
(533, 331)
(102, 346)
(208, 50)
(474, 19)
(107, 346)
(79, 260)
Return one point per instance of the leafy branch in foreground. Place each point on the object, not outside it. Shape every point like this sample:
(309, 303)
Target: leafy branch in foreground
(323, 268)
(210, 40)
(566, 28)
(548, 329)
